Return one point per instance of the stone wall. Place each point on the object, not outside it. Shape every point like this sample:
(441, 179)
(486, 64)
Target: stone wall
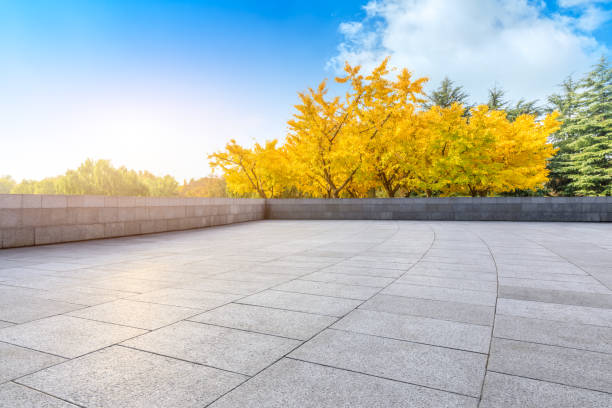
(29, 219)
(590, 209)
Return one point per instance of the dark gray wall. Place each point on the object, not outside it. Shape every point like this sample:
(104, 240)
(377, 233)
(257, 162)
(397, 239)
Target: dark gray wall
(31, 219)
(591, 209)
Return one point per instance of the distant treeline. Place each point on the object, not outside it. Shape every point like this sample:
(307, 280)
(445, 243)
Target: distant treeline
(101, 178)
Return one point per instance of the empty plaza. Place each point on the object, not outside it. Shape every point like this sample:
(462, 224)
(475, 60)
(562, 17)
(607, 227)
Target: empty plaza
(281, 313)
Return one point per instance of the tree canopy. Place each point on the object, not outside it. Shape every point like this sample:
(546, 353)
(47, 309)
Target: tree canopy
(383, 138)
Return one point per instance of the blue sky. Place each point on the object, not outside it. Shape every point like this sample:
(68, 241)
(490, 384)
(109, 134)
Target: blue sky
(158, 85)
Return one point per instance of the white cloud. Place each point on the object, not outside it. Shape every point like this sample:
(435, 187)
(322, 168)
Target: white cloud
(477, 43)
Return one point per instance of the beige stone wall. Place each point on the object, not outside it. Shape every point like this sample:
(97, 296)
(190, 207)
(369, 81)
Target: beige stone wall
(29, 219)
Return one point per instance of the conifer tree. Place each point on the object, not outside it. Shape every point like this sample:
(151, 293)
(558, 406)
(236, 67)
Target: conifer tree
(590, 166)
(582, 165)
(447, 94)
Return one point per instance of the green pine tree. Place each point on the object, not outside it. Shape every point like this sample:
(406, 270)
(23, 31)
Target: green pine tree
(447, 94)
(583, 165)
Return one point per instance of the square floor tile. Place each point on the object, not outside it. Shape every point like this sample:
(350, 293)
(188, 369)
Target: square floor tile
(17, 396)
(142, 315)
(435, 367)
(121, 377)
(285, 323)
(296, 384)
(196, 299)
(300, 302)
(66, 336)
(228, 349)
(17, 361)
(464, 336)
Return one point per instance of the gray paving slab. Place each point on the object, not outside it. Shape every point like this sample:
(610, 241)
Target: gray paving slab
(474, 297)
(300, 302)
(122, 377)
(578, 368)
(128, 284)
(364, 271)
(449, 273)
(328, 289)
(226, 286)
(25, 309)
(196, 299)
(82, 295)
(507, 391)
(18, 361)
(297, 384)
(435, 367)
(66, 336)
(554, 311)
(14, 395)
(363, 280)
(556, 296)
(229, 349)
(436, 309)
(591, 287)
(141, 315)
(463, 283)
(574, 335)
(284, 323)
(419, 329)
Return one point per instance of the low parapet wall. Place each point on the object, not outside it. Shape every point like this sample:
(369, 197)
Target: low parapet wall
(589, 209)
(29, 219)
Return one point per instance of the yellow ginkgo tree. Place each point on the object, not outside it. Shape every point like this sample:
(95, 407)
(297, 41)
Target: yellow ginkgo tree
(379, 139)
(260, 171)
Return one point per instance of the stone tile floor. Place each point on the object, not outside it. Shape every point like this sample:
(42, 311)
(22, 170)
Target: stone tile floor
(313, 314)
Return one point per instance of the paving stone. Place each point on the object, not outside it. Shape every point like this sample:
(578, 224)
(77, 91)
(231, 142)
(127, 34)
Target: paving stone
(436, 332)
(594, 287)
(299, 302)
(285, 323)
(449, 273)
(556, 296)
(129, 284)
(473, 297)
(82, 295)
(141, 315)
(329, 289)
(66, 336)
(557, 312)
(574, 335)
(5, 324)
(249, 276)
(122, 377)
(506, 391)
(435, 367)
(459, 312)
(196, 299)
(17, 396)
(373, 281)
(297, 384)
(226, 286)
(487, 286)
(354, 270)
(18, 361)
(229, 349)
(551, 276)
(578, 368)
(25, 309)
